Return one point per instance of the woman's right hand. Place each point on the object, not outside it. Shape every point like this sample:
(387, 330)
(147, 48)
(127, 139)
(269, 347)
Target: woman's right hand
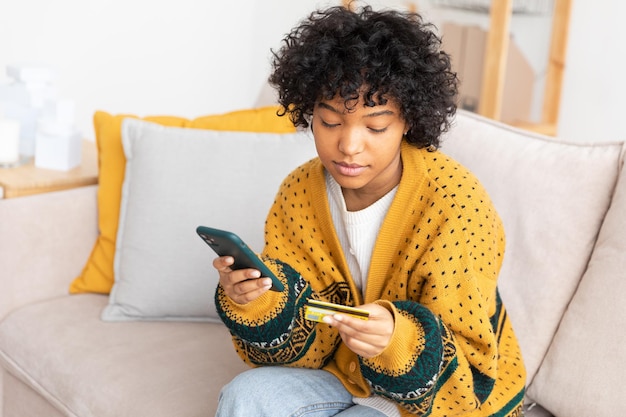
(241, 285)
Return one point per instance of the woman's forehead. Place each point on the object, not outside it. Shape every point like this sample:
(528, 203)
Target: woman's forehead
(349, 104)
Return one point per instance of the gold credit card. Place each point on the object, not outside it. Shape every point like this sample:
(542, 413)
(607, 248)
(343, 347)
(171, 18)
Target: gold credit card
(316, 310)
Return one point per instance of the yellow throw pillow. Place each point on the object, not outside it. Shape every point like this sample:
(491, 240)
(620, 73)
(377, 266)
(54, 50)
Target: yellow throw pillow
(97, 275)
(263, 119)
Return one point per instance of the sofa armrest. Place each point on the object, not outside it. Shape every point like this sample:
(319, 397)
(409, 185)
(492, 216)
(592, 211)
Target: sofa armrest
(45, 240)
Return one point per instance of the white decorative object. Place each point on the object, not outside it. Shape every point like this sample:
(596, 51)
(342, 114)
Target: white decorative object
(58, 143)
(9, 142)
(27, 118)
(31, 74)
(23, 100)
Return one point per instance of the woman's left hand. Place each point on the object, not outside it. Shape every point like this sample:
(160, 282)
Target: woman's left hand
(366, 338)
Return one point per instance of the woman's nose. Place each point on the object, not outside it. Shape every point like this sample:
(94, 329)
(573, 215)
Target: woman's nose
(351, 142)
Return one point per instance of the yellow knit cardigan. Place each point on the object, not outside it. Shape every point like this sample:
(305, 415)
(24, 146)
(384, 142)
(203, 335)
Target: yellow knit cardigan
(434, 266)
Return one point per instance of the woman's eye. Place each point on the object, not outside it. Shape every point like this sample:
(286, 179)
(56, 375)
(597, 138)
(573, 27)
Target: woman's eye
(326, 124)
(381, 130)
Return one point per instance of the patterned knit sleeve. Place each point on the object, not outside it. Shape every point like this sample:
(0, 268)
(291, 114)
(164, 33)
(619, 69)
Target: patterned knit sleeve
(272, 330)
(431, 360)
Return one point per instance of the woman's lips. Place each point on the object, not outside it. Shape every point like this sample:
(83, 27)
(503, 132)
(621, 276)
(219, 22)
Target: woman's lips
(349, 170)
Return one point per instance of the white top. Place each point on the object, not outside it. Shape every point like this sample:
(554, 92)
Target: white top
(357, 231)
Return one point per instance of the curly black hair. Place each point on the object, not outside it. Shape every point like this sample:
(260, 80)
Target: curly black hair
(377, 55)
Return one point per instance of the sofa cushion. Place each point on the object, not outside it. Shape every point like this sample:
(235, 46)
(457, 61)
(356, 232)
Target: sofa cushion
(552, 196)
(42, 243)
(583, 372)
(20, 400)
(97, 275)
(89, 368)
(177, 179)
(535, 410)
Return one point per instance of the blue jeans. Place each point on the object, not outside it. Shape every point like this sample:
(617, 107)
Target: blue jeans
(275, 391)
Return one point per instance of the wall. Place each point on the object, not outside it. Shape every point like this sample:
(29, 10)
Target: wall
(193, 57)
(183, 57)
(595, 83)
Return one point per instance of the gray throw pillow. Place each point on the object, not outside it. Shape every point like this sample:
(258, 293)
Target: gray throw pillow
(175, 180)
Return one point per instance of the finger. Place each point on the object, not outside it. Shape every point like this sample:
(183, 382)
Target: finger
(237, 276)
(250, 290)
(223, 263)
(362, 348)
(366, 345)
(252, 284)
(364, 337)
(348, 324)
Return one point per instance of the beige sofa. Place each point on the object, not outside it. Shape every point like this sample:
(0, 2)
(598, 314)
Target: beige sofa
(564, 277)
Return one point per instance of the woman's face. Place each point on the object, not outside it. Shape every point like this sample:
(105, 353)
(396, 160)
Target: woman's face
(360, 147)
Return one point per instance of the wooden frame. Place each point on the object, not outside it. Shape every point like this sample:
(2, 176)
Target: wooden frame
(495, 64)
(496, 53)
(556, 64)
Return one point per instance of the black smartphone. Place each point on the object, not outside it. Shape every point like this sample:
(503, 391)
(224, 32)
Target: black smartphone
(226, 243)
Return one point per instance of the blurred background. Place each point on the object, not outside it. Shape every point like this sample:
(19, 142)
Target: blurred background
(191, 58)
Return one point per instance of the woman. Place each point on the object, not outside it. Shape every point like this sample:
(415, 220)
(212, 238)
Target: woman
(381, 220)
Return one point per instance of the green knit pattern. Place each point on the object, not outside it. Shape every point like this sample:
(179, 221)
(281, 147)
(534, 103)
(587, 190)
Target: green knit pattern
(289, 333)
(435, 363)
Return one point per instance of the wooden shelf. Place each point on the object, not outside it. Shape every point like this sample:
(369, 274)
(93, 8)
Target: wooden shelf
(28, 179)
